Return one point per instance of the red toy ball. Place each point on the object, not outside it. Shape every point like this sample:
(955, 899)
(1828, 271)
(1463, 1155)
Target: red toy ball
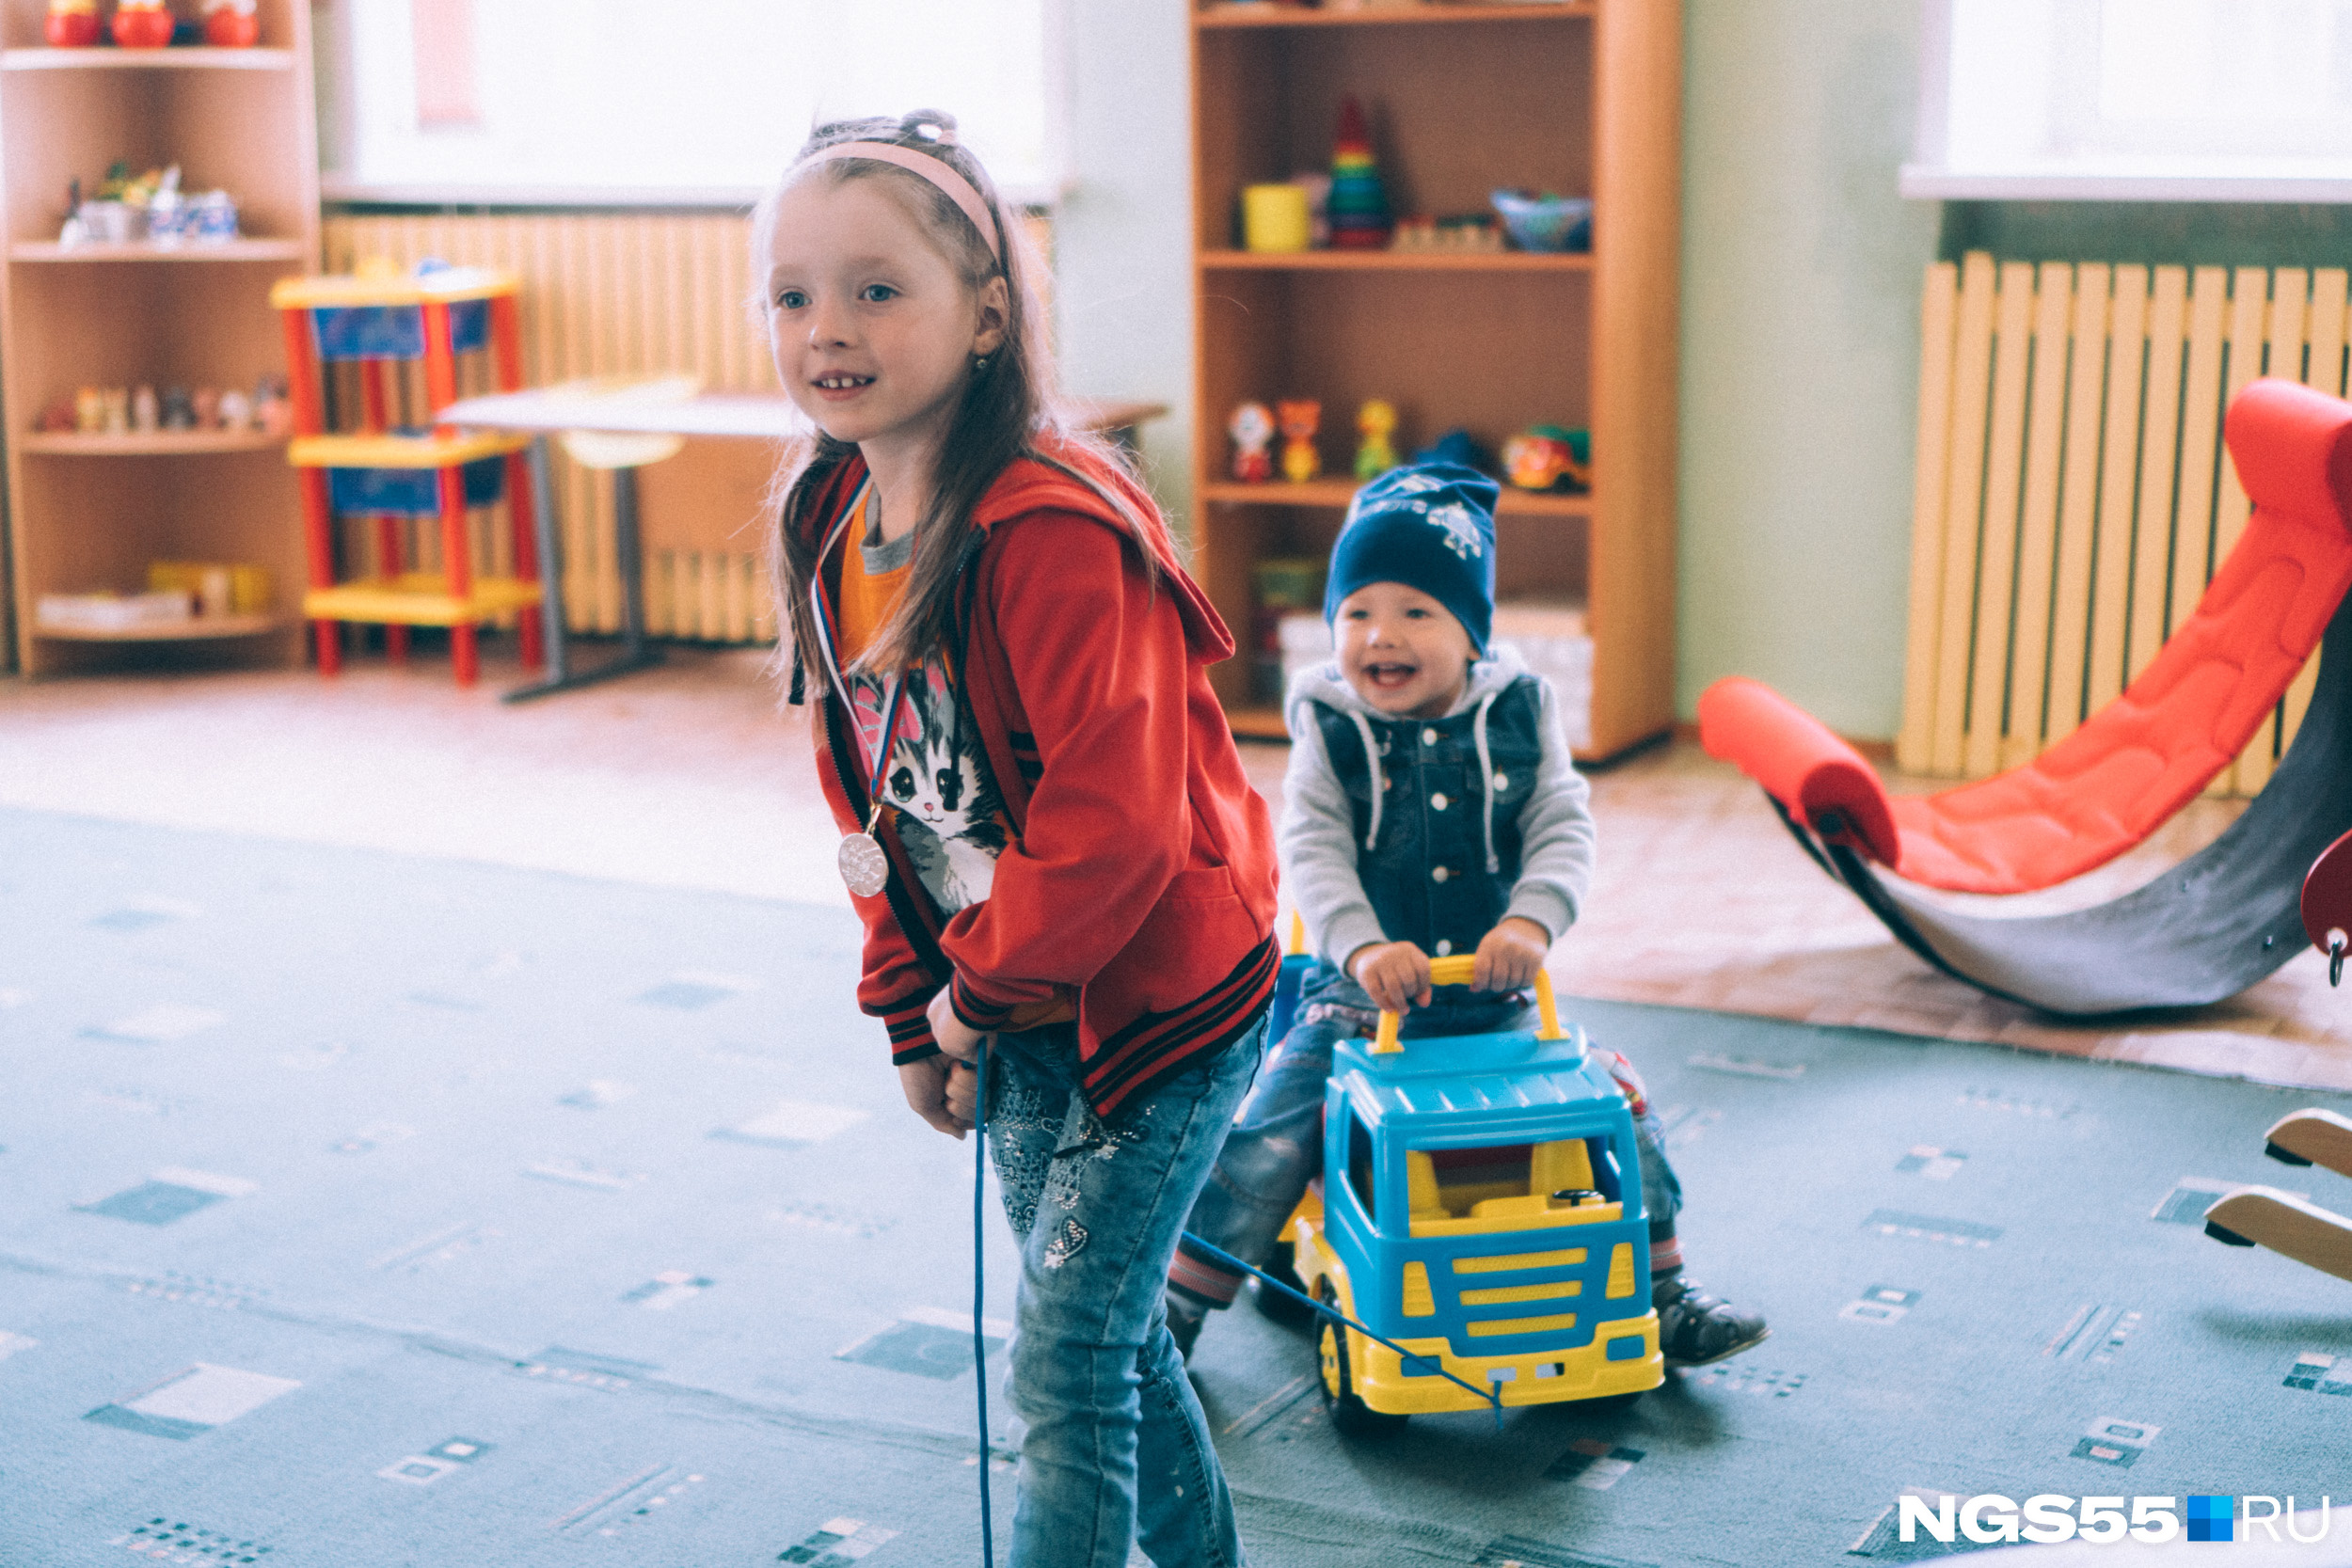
(229, 24)
(71, 24)
(142, 26)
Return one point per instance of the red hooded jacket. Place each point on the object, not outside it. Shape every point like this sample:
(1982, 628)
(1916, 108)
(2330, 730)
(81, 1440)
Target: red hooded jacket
(1139, 883)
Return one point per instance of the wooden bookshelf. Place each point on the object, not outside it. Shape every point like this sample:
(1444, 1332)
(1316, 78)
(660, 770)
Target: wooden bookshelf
(1580, 98)
(88, 513)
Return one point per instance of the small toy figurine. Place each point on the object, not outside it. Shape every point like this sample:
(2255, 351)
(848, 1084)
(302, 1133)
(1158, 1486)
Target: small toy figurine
(1301, 418)
(146, 413)
(179, 410)
(56, 420)
(273, 412)
(236, 410)
(71, 24)
(1374, 421)
(1251, 428)
(142, 23)
(231, 24)
(1358, 203)
(1550, 458)
(90, 410)
(115, 405)
(207, 401)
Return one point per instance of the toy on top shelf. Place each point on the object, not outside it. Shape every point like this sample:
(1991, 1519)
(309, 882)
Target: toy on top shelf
(1251, 428)
(1358, 204)
(1375, 422)
(1550, 458)
(374, 318)
(1546, 222)
(231, 24)
(71, 24)
(1301, 418)
(143, 24)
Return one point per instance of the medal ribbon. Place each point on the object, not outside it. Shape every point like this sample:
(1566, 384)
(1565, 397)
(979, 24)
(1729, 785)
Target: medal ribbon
(827, 644)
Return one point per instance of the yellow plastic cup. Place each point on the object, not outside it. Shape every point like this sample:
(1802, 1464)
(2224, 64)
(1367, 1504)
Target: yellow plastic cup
(1275, 217)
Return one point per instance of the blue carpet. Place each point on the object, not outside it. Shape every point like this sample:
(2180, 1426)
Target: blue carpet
(361, 1210)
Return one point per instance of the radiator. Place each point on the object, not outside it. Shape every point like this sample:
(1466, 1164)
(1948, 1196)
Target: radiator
(606, 294)
(2072, 492)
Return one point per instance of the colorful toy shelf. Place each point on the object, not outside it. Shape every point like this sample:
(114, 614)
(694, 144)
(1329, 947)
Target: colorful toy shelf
(194, 629)
(433, 450)
(376, 321)
(1580, 98)
(147, 59)
(218, 250)
(90, 513)
(1263, 13)
(418, 599)
(1339, 492)
(1393, 261)
(151, 443)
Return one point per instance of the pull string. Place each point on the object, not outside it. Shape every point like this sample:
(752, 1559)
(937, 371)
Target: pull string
(980, 1341)
(1413, 1362)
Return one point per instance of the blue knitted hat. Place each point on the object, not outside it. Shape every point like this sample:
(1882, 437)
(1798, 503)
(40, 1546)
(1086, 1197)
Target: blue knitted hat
(1429, 526)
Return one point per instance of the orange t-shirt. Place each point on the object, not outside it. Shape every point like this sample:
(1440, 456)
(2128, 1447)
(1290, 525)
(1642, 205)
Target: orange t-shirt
(865, 601)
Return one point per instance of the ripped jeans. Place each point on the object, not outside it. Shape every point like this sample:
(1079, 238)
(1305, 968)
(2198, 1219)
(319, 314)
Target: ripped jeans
(1117, 1449)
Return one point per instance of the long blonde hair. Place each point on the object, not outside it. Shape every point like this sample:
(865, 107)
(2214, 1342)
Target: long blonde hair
(1007, 407)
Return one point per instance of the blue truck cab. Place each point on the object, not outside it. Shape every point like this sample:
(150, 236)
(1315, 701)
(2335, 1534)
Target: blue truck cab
(1481, 1205)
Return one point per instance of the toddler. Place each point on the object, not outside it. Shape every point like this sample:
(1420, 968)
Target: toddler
(1431, 808)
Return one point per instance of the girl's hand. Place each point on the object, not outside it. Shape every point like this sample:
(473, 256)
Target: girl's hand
(955, 1037)
(1395, 972)
(1510, 955)
(927, 1085)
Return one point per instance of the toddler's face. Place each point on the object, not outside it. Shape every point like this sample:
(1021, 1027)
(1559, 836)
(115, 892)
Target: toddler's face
(1402, 651)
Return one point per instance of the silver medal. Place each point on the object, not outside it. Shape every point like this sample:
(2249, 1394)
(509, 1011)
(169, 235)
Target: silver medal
(864, 865)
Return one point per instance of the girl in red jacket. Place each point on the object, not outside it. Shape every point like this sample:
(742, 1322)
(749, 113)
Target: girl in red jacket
(1046, 830)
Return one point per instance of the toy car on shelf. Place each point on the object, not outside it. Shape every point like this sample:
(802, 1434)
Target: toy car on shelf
(1481, 1205)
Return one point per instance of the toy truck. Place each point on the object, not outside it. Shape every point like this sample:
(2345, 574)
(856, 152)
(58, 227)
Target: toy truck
(1481, 1206)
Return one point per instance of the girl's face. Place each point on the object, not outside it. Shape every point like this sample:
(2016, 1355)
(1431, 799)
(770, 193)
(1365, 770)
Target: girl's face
(872, 328)
(1403, 652)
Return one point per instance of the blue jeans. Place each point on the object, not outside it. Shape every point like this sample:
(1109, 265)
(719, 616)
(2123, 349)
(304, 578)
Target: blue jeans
(1117, 1447)
(1276, 1145)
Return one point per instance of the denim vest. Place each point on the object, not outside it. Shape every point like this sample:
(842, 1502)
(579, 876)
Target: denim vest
(1426, 868)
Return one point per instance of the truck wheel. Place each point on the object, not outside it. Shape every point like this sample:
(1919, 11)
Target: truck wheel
(1349, 1413)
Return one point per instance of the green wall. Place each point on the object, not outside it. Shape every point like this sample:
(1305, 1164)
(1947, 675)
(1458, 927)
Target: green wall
(1801, 282)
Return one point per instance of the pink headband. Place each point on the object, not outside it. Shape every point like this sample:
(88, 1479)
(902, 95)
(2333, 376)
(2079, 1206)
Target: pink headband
(937, 171)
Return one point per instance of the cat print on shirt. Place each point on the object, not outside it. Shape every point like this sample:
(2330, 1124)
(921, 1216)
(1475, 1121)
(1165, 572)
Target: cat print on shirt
(950, 815)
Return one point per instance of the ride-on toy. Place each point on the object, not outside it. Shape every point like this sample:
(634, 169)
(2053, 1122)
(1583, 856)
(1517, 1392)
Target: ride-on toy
(1480, 1207)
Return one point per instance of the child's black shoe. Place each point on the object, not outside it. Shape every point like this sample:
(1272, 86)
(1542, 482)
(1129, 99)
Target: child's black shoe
(1695, 1328)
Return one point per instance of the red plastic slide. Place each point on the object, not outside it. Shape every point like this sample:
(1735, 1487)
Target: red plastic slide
(2147, 754)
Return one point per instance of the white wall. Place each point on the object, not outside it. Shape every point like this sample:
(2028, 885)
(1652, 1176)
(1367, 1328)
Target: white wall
(1122, 241)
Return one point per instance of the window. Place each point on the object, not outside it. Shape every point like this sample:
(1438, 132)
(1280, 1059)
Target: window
(701, 101)
(2134, 99)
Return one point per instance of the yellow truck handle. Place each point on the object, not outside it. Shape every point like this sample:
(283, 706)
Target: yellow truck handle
(1456, 970)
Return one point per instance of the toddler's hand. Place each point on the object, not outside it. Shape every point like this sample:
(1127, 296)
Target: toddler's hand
(1510, 955)
(1395, 972)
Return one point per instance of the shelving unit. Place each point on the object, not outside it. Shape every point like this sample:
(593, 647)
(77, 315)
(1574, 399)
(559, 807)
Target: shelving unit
(1580, 97)
(88, 513)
